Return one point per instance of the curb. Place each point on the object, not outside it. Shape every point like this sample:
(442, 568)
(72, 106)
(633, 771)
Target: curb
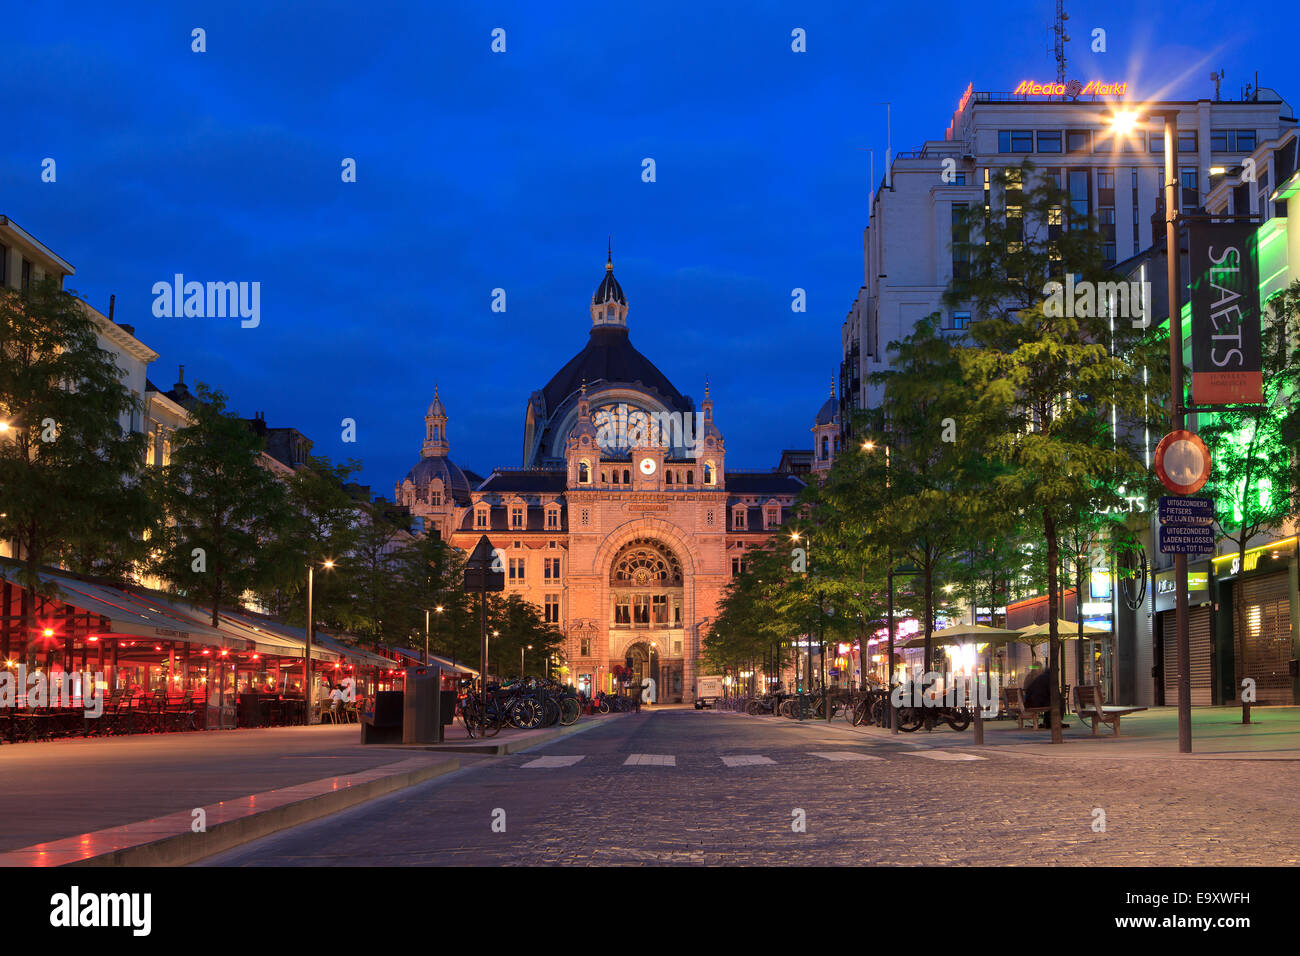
(510, 746)
(185, 847)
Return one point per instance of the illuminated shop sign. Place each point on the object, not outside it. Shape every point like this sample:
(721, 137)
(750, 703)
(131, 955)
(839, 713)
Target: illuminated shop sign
(1072, 88)
(1198, 589)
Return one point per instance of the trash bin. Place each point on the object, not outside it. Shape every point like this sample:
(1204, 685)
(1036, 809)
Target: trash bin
(383, 723)
(420, 710)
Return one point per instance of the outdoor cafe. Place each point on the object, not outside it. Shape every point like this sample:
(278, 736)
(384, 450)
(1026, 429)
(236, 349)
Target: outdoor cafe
(100, 659)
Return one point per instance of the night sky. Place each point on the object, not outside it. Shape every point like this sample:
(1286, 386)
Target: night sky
(478, 170)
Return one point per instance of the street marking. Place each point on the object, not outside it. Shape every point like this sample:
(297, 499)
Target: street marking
(650, 760)
(543, 762)
(842, 755)
(941, 755)
(746, 760)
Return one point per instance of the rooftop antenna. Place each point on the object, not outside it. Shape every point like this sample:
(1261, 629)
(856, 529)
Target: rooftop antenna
(1217, 78)
(1061, 39)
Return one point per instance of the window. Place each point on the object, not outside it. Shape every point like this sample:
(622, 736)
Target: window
(585, 644)
(1106, 215)
(690, 476)
(771, 518)
(1157, 141)
(480, 517)
(552, 518)
(435, 498)
(517, 570)
(623, 609)
(27, 274)
(1108, 251)
(584, 473)
(1232, 140)
(627, 476)
(553, 544)
(1078, 141)
(738, 519)
(552, 609)
(708, 473)
(641, 609)
(960, 179)
(826, 448)
(961, 320)
(586, 517)
(708, 517)
(516, 516)
(1188, 179)
(668, 477)
(1015, 141)
(960, 238)
(1080, 198)
(4, 265)
(1105, 179)
(551, 569)
(614, 480)
(1187, 141)
(1049, 142)
(737, 566)
(659, 608)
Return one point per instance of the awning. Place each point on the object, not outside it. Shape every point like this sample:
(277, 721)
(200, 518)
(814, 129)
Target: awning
(271, 637)
(146, 616)
(410, 657)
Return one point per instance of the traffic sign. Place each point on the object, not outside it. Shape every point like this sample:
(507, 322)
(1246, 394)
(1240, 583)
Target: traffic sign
(1186, 512)
(1182, 462)
(483, 571)
(1186, 540)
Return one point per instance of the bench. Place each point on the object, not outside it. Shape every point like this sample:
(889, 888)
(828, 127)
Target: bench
(1089, 705)
(1017, 709)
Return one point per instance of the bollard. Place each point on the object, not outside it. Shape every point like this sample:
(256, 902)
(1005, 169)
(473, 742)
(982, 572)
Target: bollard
(1245, 712)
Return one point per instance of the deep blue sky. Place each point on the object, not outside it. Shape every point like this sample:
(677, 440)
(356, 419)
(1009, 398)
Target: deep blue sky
(478, 170)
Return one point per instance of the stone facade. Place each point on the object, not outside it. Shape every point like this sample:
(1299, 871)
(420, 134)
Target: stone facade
(624, 525)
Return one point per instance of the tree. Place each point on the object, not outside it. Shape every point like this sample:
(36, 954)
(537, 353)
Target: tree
(70, 473)
(1047, 379)
(222, 506)
(1255, 478)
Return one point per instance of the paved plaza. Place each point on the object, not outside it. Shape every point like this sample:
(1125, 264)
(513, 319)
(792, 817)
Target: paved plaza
(680, 786)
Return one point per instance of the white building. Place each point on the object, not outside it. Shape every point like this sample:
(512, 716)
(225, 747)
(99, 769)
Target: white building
(907, 246)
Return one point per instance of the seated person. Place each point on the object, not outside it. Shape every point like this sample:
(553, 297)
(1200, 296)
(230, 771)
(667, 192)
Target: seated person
(1038, 693)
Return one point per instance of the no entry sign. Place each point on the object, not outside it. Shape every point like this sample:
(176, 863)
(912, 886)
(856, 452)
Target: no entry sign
(1182, 462)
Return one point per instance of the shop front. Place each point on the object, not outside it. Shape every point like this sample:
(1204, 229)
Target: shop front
(1200, 628)
(1258, 608)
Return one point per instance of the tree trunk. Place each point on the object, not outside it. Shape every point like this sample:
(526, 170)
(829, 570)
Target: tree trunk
(1054, 639)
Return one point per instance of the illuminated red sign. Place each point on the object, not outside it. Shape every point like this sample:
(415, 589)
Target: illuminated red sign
(1072, 88)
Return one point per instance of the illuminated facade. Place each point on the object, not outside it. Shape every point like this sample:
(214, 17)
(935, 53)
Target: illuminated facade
(625, 523)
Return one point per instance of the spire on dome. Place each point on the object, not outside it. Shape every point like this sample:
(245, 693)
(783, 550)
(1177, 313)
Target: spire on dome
(609, 304)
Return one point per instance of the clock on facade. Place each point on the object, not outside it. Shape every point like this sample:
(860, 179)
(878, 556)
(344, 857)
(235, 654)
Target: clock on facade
(647, 466)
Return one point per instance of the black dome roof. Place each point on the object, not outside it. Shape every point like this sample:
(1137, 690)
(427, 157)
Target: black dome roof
(453, 479)
(609, 357)
(827, 414)
(609, 290)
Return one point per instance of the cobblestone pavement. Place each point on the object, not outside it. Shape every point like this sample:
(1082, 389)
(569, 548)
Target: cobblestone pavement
(613, 796)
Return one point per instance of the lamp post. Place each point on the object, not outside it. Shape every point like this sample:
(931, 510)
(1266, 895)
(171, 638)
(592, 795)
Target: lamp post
(521, 660)
(1123, 123)
(826, 700)
(308, 633)
(495, 635)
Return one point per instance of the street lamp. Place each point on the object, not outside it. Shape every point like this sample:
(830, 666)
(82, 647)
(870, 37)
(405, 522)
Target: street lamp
(1121, 123)
(521, 661)
(495, 634)
(308, 633)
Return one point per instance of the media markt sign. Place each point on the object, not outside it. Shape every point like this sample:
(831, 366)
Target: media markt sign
(1072, 89)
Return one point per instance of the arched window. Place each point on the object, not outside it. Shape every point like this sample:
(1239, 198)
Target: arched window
(826, 448)
(627, 477)
(668, 477)
(645, 563)
(690, 476)
(584, 473)
(435, 433)
(708, 473)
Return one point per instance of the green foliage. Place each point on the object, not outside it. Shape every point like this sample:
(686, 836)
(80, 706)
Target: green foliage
(71, 475)
(220, 500)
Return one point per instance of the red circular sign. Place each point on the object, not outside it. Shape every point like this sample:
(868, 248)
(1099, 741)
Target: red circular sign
(1182, 462)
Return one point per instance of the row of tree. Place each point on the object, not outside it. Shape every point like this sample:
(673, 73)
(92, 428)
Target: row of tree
(1000, 463)
(214, 523)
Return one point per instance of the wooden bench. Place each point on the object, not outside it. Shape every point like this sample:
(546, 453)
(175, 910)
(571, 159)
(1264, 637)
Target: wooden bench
(1089, 705)
(1016, 707)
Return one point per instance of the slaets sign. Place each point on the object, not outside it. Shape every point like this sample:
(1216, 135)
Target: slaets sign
(1225, 314)
(1072, 88)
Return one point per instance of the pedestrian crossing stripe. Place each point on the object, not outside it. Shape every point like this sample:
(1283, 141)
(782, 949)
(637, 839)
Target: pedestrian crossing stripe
(941, 755)
(544, 762)
(746, 760)
(650, 760)
(842, 755)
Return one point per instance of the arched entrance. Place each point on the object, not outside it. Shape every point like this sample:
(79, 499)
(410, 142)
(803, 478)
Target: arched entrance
(646, 587)
(645, 663)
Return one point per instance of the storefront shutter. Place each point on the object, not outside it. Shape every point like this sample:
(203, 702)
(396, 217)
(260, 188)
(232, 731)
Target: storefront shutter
(1202, 650)
(1265, 616)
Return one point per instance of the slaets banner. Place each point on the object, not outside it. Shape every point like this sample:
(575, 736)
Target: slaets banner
(1225, 314)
